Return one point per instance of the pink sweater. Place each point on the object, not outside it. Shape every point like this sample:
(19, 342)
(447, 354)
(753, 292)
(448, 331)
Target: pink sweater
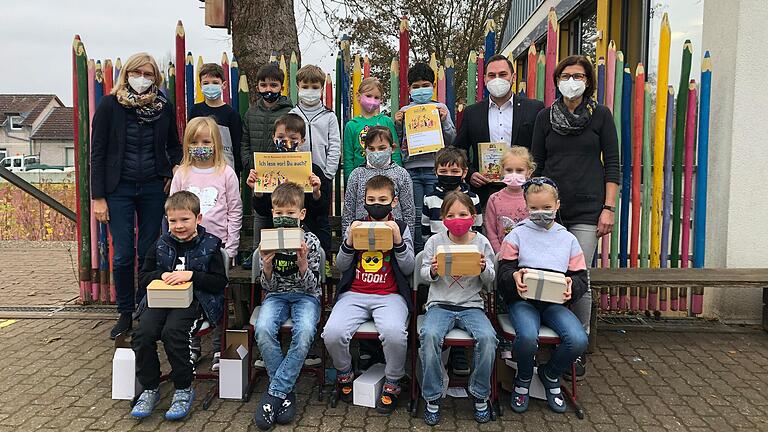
(504, 210)
(220, 203)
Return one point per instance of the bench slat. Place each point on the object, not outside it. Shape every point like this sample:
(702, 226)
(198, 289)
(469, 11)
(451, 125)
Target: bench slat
(678, 276)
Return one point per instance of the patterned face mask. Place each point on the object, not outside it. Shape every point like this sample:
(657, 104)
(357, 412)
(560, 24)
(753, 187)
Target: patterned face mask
(285, 222)
(201, 153)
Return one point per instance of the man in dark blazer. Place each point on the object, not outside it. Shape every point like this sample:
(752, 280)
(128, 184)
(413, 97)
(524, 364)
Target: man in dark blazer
(503, 116)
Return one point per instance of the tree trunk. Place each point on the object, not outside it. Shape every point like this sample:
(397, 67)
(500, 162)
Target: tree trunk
(258, 28)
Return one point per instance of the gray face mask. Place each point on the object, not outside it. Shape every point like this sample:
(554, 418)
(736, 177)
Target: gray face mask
(379, 159)
(542, 218)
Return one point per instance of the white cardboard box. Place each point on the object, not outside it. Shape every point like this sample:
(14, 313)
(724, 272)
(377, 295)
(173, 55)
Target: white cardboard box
(367, 387)
(537, 388)
(125, 386)
(233, 366)
(162, 295)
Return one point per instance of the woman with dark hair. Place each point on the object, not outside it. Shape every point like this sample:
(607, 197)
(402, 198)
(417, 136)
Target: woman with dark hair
(575, 144)
(134, 150)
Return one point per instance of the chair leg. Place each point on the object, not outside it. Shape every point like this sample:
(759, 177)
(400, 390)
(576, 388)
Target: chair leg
(212, 393)
(571, 394)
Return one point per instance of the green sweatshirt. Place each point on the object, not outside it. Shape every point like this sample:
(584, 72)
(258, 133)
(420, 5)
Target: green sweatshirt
(354, 136)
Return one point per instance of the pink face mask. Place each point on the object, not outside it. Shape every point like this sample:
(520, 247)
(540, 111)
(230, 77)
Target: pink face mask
(369, 104)
(459, 226)
(514, 179)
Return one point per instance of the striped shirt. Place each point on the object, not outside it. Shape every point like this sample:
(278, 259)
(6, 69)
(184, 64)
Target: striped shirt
(432, 223)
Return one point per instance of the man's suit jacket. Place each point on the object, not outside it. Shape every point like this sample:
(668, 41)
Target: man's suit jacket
(474, 126)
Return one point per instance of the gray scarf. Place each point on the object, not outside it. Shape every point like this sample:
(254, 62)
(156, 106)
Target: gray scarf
(565, 122)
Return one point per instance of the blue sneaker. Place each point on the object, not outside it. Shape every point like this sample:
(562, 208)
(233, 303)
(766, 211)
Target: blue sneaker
(248, 262)
(431, 418)
(145, 404)
(181, 404)
(555, 396)
(482, 415)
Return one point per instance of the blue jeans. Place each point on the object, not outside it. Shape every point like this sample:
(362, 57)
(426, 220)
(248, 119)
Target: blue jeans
(437, 323)
(304, 310)
(527, 317)
(129, 203)
(424, 182)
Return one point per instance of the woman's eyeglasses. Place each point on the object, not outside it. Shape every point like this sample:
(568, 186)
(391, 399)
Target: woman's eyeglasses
(576, 76)
(138, 73)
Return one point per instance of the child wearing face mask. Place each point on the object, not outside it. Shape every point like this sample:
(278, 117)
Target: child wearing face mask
(204, 172)
(379, 147)
(421, 80)
(506, 208)
(214, 84)
(456, 302)
(369, 95)
(541, 243)
(374, 285)
(291, 280)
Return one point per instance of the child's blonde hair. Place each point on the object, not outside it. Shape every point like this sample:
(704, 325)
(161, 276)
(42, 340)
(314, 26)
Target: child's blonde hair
(310, 74)
(519, 152)
(133, 63)
(369, 84)
(193, 127)
(540, 184)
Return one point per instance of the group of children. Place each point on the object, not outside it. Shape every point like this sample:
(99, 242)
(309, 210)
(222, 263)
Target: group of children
(204, 215)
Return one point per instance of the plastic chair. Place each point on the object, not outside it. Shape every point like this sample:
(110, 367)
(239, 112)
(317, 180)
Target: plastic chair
(455, 337)
(286, 328)
(547, 336)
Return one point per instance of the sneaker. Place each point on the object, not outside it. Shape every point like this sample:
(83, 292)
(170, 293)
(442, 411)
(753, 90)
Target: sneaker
(124, 324)
(287, 410)
(312, 360)
(197, 350)
(555, 396)
(432, 413)
(581, 369)
(519, 402)
(264, 417)
(390, 393)
(181, 404)
(344, 381)
(259, 363)
(366, 361)
(145, 404)
(459, 361)
(215, 361)
(482, 410)
(248, 263)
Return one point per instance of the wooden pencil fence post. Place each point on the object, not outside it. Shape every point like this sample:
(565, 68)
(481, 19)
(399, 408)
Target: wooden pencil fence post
(682, 109)
(82, 164)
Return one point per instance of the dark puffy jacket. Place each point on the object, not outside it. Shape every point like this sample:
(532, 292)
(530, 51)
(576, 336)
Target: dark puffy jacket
(258, 125)
(139, 156)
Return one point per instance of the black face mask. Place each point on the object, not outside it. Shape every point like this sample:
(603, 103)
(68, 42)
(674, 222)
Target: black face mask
(269, 97)
(448, 182)
(378, 211)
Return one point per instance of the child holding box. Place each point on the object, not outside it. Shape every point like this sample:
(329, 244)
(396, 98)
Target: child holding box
(541, 243)
(456, 302)
(374, 285)
(185, 253)
(292, 282)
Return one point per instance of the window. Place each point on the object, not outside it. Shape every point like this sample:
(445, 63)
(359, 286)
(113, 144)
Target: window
(583, 32)
(69, 156)
(15, 122)
(3, 153)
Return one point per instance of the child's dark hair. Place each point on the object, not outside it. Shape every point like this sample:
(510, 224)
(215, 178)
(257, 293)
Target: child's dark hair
(183, 200)
(452, 197)
(376, 132)
(288, 194)
(379, 182)
(292, 123)
(270, 71)
(420, 72)
(450, 156)
(213, 70)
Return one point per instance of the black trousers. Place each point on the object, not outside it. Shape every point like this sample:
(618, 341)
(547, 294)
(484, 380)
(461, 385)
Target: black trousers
(317, 221)
(175, 327)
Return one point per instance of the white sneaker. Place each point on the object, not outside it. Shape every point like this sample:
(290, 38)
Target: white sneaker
(312, 360)
(215, 364)
(259, 363)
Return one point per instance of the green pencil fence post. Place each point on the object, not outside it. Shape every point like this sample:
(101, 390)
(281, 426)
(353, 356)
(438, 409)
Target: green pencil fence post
(472, 78)
(83, 171)
(677, 180)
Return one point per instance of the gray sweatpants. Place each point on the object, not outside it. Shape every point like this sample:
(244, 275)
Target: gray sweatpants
(587, 238)
(390, 315)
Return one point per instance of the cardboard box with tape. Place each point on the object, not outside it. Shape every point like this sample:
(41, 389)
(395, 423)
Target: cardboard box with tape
(544, 286)
(458, 260)
(372, 236)
(233, 366)
(162, 295)
(274, 239)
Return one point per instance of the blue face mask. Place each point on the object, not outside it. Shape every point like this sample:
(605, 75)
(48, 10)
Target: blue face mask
(211, 91)
(422, 95)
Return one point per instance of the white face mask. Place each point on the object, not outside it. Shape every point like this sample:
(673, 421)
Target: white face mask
(140, 84)
(498, 87)
(310, 96)
(572, 88)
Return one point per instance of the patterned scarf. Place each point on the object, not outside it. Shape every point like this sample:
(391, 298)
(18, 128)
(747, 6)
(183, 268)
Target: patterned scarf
(565, 122)
(149, 105)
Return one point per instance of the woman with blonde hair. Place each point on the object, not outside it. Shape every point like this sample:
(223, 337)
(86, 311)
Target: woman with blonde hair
(134, 152)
